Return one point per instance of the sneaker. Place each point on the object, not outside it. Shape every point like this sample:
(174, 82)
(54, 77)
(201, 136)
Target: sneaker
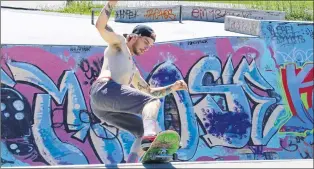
(146, 142)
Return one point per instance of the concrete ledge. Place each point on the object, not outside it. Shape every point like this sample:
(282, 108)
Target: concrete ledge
(260, 27)
(196, 13)
(213, 14)
(148, 14)
(242, 25)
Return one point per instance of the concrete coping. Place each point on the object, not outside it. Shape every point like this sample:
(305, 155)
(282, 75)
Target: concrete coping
(133, 8)
(242, 25)
(254, 26)
(187, 12)
(236, 9)
(277, 21)
(195, 6)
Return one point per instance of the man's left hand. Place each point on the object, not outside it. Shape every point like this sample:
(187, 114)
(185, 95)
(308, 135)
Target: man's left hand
(180, 85)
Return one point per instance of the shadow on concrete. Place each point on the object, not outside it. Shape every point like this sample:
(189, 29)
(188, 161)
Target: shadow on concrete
(161, 165)
(140, 165)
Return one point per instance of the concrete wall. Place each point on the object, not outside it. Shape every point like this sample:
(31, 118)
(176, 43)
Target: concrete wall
(248, 99)
(212, 14)
(198, 13)
(148, 14)
(261, 28)
(242, 25)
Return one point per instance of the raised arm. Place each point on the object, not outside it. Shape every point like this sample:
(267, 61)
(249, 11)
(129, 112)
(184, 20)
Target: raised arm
(159, 92)
(102, 26)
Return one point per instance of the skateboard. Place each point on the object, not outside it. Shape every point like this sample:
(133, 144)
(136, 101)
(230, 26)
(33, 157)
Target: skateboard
(163, 149)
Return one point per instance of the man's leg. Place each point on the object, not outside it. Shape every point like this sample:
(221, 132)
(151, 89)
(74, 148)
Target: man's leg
(151, 125)
(116, 98)
(134, 152)
(131, 123)
(150, 114)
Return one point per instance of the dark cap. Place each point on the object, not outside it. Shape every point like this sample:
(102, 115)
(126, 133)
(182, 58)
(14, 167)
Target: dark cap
(144, 30)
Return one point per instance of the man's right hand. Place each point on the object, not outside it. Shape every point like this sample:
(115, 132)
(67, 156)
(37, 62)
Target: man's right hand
(131, 38)
(106, 32)
(113, 2)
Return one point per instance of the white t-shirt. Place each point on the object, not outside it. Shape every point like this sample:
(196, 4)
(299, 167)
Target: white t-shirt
(118, 64)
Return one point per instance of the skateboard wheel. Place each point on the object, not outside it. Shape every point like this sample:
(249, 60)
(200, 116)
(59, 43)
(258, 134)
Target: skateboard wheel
(145, 148)
(175, 157)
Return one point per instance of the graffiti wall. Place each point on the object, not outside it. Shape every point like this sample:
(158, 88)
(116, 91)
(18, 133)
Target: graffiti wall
(148, 14)
(248, 99)
(195, 13)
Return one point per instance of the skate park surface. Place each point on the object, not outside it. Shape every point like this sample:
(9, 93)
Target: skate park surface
(249, 102)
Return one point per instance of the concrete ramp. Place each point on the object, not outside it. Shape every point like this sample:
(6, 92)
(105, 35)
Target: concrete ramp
(203, 164)
(243, 103)
(250, 99)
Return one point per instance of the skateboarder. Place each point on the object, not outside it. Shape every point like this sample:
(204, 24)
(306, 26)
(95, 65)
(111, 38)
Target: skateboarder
(120, 96)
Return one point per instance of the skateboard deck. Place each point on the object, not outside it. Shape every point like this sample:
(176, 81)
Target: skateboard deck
(163, 148)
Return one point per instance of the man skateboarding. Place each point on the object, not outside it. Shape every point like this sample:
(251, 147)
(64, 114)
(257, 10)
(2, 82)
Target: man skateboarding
(112, 98)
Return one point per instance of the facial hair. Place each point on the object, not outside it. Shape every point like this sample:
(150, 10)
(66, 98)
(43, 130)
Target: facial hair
(135, 51)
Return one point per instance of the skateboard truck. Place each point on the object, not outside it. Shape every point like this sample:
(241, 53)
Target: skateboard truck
(163, 155)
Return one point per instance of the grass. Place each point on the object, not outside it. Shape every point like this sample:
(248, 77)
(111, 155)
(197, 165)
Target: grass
(81, 7)
(295, 10)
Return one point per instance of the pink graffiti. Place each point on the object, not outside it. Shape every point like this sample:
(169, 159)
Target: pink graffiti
(184, 59)
(224, 50)
(53, 66)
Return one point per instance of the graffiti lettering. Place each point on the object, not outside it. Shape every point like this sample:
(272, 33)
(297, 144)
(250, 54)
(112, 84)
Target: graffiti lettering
(298, 144)
(262, 156)
(220, 14)
(16, 124)
(299, 89)
(243, 27)
(91, 71)
(310, 33)
(211, 14)
(299, 57)
(270, 155)
(209, 112)
(202, 13)
(126, 14)
(156, 14)
(240, 96)
(79, 49)
(166, 74)
(76, 117)
(285, 35)
(290, 40)
(197, 42)
(291, 147)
